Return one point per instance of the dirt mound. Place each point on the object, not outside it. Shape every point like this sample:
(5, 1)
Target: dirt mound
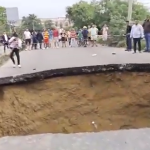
(70, 104)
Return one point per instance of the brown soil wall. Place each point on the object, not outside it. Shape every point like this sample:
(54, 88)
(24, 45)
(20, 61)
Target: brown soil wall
(70, 104)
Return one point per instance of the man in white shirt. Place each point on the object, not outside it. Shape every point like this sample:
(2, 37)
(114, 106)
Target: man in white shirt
(137, 33)
(27, 37)
(94, 33)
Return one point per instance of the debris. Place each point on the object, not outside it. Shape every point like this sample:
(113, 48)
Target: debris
(114, 53)
(94, 124)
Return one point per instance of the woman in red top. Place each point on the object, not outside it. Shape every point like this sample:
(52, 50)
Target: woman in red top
(73, 38)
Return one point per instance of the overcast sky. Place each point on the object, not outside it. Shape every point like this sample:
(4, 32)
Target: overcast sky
(42, 8)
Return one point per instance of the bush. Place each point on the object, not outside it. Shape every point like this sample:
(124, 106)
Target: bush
(121, 44)
(113, 41)
(118, 41)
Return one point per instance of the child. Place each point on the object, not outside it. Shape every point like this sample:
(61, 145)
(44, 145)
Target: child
(80, 38)
(63, 39)
(73, 38)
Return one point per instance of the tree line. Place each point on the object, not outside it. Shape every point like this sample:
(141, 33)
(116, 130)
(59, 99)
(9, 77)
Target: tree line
(111, 12)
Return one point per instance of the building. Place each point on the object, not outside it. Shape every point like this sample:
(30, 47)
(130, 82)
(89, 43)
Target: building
(60, 21)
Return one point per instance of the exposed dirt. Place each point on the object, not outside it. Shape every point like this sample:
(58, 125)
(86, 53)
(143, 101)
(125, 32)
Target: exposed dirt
(70, 104)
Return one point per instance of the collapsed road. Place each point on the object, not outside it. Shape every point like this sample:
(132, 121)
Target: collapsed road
(113, 94)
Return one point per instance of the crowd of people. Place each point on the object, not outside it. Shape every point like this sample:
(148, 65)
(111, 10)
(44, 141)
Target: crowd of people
(51, 38)
(87, 36)
(55, 38)
(135, 33)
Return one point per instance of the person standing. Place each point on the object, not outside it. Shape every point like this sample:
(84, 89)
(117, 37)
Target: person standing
(80, 38)
(137, 33)
(34, 40)
(89, 35)
(69, 38)
(105, 33)
(46, 39)
(39, 38)
(56, 38)
(94, 33)
(85, 35)
(73, 38)
(27, 37)
(5, 39)
(146, 27)
(50, 38)
(15, 45)
(128, 39)
(63, 38)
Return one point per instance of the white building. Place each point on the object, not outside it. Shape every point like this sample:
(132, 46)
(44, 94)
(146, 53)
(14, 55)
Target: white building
(60, 21)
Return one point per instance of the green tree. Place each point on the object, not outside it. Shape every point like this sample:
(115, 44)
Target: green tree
(32, 22)
(111, 12)
(81, 13)
(49, 24)
(3, 20)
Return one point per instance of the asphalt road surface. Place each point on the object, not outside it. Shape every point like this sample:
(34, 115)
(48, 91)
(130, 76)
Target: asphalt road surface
(40, 60)
(112, 140)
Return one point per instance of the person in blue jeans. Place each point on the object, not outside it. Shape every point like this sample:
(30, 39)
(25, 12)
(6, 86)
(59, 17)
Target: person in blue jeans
(128, 39)
(146, 27)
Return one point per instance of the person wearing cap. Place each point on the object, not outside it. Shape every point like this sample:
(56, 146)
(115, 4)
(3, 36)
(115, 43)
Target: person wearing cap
(85, 35)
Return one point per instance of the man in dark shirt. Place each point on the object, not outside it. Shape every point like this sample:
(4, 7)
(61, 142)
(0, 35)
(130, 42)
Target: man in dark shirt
(146, 26)
(128, 39)
(85, 35)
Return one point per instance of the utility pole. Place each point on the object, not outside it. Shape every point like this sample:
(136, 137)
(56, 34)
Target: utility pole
(33, 25)
(130, 5)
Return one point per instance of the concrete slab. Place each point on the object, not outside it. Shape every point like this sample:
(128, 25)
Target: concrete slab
(43, 60)
(112, 140)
